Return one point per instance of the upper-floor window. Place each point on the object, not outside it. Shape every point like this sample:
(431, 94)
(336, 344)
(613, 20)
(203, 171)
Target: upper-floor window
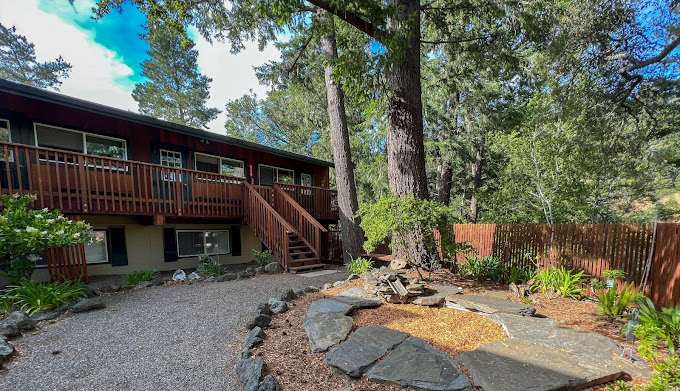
(218, 165)
(270, 174)
(306, 179)
(5, 135)
(171, 158)
(77, 141)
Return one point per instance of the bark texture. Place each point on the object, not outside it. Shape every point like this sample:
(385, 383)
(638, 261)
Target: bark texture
(444, 182)
(476, 172)
(405, 149)
(351, 233)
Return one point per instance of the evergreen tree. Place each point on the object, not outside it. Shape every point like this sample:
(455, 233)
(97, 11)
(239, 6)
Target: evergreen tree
(175, 90)
(18, 62)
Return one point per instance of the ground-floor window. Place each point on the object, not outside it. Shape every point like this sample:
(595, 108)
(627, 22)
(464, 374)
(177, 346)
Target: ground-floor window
(97, 250)
(192, 243)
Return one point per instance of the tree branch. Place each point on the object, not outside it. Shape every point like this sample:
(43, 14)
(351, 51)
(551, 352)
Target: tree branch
(350, 17)
(637, 64)
(458, 40)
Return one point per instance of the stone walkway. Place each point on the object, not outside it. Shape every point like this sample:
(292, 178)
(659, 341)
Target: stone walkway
(538, 356)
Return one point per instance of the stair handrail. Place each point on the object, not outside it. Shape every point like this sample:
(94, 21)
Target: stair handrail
(264, 233)
(310, 230)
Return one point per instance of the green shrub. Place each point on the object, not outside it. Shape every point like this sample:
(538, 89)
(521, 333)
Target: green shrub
(657, 329)
(27, 232)
(32, 296)
(410, 223)
(619, 385)
(565, 282)
(263, 257)
(359, 265)
(613, 302)
(666, 376)
(597, 284)
(519, 275)
(208, 266)
(482, 268)
(135, 278)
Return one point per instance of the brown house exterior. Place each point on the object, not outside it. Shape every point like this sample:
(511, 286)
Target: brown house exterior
(158, 194)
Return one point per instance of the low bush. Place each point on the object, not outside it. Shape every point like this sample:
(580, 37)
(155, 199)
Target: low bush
(564, 282)
(614, 274)
(482, 268)
(141, 276)
(657, 329)
(613, 302)
(209, 267)
(263, 257)
(666, 375)
(32, 296)
(359, 265)
(519, 275)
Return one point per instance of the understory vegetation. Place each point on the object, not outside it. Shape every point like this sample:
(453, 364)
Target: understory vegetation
(559, 280)
(209, 267)
(262, 257)
(359, 266)
(139, 277)
(32, 297)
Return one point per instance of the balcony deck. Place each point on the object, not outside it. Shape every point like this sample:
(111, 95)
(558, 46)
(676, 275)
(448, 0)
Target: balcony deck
(83, 184)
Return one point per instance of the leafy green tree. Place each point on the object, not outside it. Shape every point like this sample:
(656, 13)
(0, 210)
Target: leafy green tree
(18, 62)
(174, 90)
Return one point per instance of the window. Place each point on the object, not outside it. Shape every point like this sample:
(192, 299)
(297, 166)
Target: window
(170, 159)
(5, 137)
(195, 243)
(269, 174)
(306, 179)
(76, 141)
(219, 165)
(97, 250)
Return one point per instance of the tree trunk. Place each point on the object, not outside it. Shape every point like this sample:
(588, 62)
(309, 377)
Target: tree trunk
(351, 233)
(476, 171)
(444, 182)
(405, 149)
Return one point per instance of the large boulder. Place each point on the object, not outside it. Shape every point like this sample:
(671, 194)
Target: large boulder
(89, 304)
(226, 277)
(20, 320)
(326, 329)
(273, 267)
(9, 330)
(49, 314)
(6, 350)
(249, 371)
(363, 348)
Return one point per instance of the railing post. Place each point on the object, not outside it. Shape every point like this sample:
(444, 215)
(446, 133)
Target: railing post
(84, 184)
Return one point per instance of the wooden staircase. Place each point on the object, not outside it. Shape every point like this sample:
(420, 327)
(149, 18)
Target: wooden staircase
(295, 238)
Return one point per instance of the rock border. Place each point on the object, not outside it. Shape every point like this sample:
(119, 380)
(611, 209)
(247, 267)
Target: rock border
(251, 370)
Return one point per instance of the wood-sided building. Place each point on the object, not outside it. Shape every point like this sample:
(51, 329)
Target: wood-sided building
(159, 194)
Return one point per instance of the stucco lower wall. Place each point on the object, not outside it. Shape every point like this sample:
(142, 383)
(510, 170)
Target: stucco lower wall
(144, 245)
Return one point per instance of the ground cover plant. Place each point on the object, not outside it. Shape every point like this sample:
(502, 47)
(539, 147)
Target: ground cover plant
(559, 280)
(263, 257)
(359, 266)
(478, 268)
(135, 278)
(657, 329)
(32, 297)
(613, 302)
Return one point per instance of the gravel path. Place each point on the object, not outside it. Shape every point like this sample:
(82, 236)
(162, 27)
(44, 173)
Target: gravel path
(160, 338)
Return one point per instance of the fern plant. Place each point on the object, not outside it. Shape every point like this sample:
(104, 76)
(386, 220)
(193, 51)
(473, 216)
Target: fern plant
(136, 278)
(359, 266)
(614, 302)
(657, 329)
(564, 282)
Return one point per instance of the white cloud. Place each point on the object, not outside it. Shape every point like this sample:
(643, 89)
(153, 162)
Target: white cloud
(96, 69)
(233, 74)
(98, 75)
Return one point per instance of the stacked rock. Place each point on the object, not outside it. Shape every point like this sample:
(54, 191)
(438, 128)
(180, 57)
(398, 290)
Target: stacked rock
(394, 286)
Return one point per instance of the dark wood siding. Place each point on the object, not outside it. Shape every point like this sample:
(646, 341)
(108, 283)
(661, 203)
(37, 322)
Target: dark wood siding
(143, 141)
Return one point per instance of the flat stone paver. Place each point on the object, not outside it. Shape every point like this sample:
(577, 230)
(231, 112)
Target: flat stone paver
(185, 338)
(414, 363)
(327, 329)
(486, 304)
(363, 348)
(520, 365)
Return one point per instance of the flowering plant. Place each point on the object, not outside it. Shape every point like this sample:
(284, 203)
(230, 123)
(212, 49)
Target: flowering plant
(27, 233)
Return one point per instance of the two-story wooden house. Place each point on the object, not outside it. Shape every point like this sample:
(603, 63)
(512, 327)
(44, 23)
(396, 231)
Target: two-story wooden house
(159, 194)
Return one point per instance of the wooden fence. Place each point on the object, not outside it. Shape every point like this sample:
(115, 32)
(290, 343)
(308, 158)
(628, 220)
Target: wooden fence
(590, 247)
(67, 263)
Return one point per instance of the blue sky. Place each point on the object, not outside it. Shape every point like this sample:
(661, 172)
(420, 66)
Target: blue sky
(106, 55)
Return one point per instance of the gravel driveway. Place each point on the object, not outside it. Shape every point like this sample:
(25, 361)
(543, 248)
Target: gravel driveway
(160, 338)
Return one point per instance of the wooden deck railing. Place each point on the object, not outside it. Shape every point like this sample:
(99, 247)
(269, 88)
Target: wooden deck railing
(78, 183)
(269, 226)
(319, 202)
(310, 230)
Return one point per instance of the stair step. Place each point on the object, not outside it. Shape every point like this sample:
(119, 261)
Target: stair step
(298, 269)
(303, 254)
(296, 243)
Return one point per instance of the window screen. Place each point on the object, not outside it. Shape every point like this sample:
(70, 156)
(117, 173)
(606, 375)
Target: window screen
(207, 163)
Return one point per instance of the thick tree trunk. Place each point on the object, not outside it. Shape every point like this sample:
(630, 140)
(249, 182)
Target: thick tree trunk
(444, 182)
(405, 149)
(476, 171)
(351, 233)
